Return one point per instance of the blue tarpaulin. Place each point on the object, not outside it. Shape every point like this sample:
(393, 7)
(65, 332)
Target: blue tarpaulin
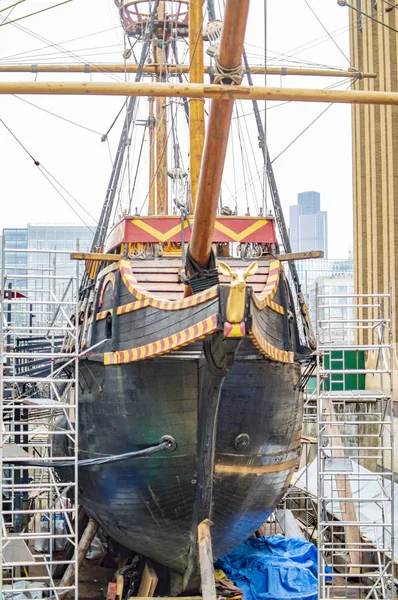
(273, 568)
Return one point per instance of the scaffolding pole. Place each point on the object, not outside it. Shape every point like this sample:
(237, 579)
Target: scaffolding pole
(355, 462)
(39, 346)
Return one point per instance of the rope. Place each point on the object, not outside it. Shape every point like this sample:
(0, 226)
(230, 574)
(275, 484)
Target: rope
(166, 444)
(35, 13)
(200, 279)
(232, 76)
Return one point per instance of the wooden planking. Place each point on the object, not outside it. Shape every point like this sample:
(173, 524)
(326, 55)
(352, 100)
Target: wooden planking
(157, 263)
(174, 277)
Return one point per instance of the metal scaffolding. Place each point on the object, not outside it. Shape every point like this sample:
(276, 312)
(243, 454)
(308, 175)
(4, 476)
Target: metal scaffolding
(39, 415)
(355, 493)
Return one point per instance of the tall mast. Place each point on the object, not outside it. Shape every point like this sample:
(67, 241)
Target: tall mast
(151, 128)
(228, 70)
(196, 107)
(161, 115)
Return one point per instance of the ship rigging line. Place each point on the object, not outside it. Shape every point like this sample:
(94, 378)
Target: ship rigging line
(47, 176)
(35, 13)
(328, 33)
(107, 207)
(279, 216)
(12, 6)
(54, 45)
(310, 125)
(81, 37)
(345, 3)
(55, 115)
(166, 444)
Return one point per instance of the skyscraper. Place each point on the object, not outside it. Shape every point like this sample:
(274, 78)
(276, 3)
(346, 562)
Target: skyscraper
(308, 224)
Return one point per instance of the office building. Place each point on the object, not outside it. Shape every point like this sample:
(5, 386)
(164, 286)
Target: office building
(43, 255)
(334, 310)
(308, 224)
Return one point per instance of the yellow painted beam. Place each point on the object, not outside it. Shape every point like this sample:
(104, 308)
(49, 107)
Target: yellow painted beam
(95, 256)
(301, 255)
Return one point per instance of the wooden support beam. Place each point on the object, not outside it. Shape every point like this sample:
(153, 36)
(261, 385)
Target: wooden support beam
(343, 486)
(206, 561)
(198, 90)
(96, 256)
(301, 255)
(149, 581)
(82, 548)
(176, 69)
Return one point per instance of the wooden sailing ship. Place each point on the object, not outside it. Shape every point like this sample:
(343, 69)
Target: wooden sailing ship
(187, 341)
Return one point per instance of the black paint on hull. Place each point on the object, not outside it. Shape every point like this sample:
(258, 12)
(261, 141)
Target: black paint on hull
(152, 505)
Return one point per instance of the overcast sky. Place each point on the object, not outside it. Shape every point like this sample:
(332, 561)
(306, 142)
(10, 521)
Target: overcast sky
(320, 160)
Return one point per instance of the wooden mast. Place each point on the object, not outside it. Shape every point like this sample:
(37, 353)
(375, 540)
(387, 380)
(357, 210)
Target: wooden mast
(197, 106)
(161, 118)
(151, 128)
(229, 58)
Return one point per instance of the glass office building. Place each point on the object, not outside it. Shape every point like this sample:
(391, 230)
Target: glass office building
(48, 238)
(308, 224)
(16, 262)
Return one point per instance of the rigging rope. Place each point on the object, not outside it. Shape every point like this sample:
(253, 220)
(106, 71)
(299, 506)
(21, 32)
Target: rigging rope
(328, 33)
(55, 115)
(35, 13)
(106, 212)
(166, 444)
(13, 56)
(48, 175)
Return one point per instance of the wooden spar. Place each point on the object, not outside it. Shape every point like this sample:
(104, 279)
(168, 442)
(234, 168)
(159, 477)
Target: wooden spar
(176, 69)
(161, 156)
(206, 560)
(151, 129)
(196, 107)
(84, 544)
(300, 255)
(161, 121)
(197, 90)
(215, 149)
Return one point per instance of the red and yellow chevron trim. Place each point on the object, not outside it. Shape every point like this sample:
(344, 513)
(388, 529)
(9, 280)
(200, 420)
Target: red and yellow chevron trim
(110, 278)
(167, 228)
(173, 342)
(276, 307)
(131, 306)
(268, 349)
(265, 297)
(103, 314)
(148, 300)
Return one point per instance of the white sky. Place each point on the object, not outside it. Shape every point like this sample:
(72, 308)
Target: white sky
(320, 160)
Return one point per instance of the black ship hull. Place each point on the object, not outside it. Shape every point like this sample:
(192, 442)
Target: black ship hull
(228, 394)
(149, 505)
